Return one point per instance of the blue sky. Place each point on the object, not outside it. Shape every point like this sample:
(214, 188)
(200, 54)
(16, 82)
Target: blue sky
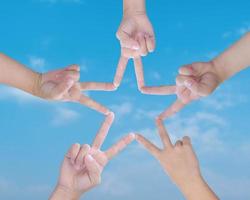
(35, 134)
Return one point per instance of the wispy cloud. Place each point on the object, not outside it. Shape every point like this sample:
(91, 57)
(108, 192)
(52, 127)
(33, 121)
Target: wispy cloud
(11, 189)
(64, 116)
(37, 63)
(9, 93)
(224, 98)
(240, 31)
(146, 114)
(122, 110)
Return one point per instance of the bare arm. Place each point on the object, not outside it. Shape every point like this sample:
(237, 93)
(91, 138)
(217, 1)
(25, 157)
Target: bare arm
(180, 164)
(17, 75)
(234, 59)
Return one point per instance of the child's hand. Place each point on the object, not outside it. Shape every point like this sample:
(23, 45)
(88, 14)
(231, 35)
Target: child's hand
(83, 165)
(58, 85)
(136, 35)
(180, 163)
(197, 80)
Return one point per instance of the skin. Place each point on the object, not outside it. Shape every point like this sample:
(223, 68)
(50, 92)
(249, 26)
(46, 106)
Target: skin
(136, 34)
(180, 164)
(58, 85)
(200, 79)
(82, 167)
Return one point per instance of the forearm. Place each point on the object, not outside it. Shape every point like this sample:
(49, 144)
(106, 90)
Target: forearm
(197, 190)
(133, 7)
(61, 193)
(17, 75)
(234, 59)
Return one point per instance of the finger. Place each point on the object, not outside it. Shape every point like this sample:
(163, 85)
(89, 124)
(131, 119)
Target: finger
(143, 45)
(198, 88)
(94, 170)
(139, 72)
(194, 69)
(93, 104)
(159, 90)
(154, 150)
(150, 41)
(72, 152)
(178, 143)
(85, 86)
(174, 108)
(73, 67)
(130, 53)
(163, 134)
(71, 74)
(80, 157)
(186, 140)
(180, 79)
(74, 92)
(120, 71)
(102, 133)
(184, 94)
(126, 40)
(119, 146)
(59, 90)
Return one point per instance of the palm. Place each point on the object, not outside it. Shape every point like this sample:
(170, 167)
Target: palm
(79, 179)
(137, 24)
(55, 85)
(78, 173)
(205, 82)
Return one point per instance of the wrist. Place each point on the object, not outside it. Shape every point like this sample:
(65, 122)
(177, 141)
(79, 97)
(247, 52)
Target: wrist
(196, 188)
(37, 82)
(133, 7)
(219, 68)
(66, 193)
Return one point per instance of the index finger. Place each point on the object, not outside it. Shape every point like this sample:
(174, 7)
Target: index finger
(102, 134)
(119, 146)
(122, 64)
(163, 134)
(139, 72)
(93, 104)
(174, 108)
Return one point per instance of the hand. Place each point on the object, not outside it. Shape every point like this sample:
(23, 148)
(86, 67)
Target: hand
(193, 82)
(136, 35)
(180, 163)
(57, 85)
(197, 80)
(83, 165)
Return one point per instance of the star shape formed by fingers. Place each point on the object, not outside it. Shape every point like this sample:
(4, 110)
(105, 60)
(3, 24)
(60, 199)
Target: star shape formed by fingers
(102, 86)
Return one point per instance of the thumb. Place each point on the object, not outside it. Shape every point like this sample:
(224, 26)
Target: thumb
(126, 41)
(197, 88)
(194, 69)
(94, 169)
(62, 88)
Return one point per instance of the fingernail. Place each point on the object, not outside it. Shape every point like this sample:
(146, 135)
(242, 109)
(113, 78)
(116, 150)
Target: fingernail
(132, 135)
(135, 47)
(89, 157)
(188, 83)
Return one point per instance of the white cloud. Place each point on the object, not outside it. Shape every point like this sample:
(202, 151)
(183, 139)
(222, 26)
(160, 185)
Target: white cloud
(63, 116)
(10, 189)
(9, 93)
(240, 31)
(224, 98)
(122, 109)
(37, 63)
(148, 114)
